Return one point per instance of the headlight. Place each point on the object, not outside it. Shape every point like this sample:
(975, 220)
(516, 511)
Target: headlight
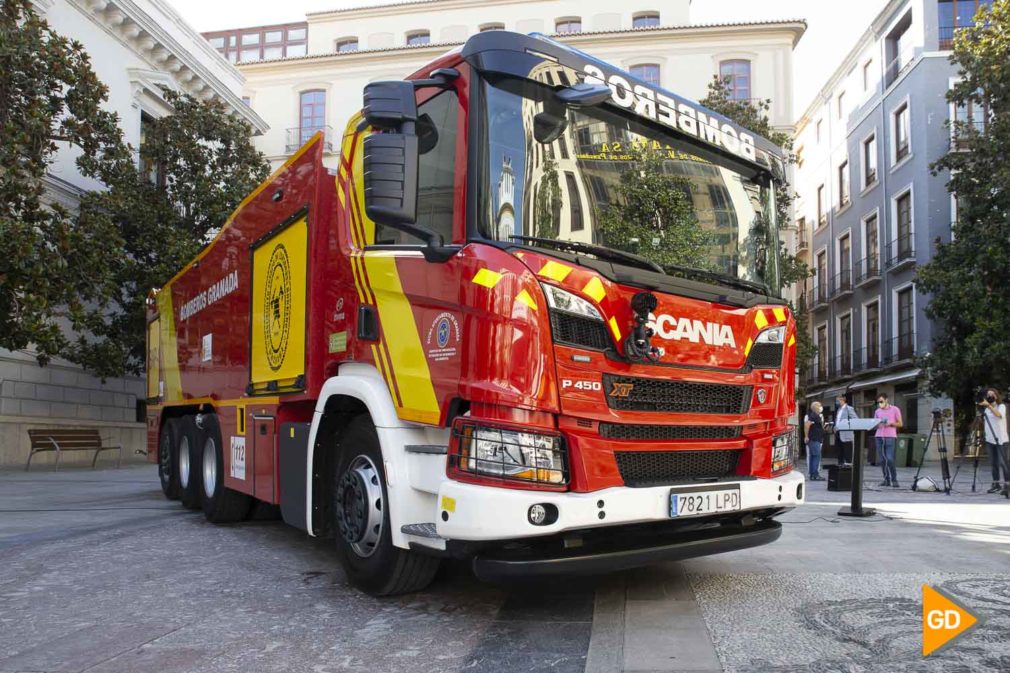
(772, 335)
(562, 300)
(509, 454)
(784, 452)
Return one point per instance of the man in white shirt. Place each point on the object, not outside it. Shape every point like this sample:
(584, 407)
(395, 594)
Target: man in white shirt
(845, 437)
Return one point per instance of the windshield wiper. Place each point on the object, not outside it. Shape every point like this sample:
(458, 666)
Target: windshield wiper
(723, 278)
(597, 250)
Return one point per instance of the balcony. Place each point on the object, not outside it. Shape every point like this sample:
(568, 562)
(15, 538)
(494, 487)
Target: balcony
(296, 137)
(841, 284)
(867, 271)
(898, 65)
(898, 350)
(802, 240)
(964, 132)
(820, 295)
(900, 253)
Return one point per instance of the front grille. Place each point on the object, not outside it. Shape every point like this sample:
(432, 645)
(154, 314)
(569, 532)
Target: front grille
(626, 393)
(668, 432)
(658, 468)
(766, 356)
(575, 330)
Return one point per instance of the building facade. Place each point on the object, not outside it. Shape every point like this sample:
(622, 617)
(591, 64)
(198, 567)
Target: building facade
(869, 208)
(137, 48)
(347, 49)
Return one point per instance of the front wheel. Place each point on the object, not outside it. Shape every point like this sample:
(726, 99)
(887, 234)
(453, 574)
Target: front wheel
(361, 520)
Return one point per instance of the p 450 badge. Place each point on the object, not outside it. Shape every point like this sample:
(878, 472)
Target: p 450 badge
(593, 386)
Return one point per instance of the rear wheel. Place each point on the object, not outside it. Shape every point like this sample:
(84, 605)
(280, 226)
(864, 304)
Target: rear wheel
(361, 520)
(189, 444)
(220, 504)
(168, 471)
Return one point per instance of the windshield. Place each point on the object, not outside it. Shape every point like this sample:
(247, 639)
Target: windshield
(594, 176)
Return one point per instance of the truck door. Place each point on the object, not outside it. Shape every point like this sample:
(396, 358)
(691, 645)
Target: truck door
(418, 301)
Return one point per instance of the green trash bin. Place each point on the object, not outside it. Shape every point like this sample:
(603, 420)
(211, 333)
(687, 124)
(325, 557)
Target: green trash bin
(901, 448)
(917, 443)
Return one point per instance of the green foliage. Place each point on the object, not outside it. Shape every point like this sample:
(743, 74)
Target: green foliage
(52, 268)
(73, 285)
(653, 215)
(547, 208)
(792, 269)
(199, 165)
(967, 277)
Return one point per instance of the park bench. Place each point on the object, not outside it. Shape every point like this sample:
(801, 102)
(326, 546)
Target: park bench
(60, 440)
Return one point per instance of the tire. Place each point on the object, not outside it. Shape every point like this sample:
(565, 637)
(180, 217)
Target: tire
(168, 465)
(220, 504)
(189, 444)
(361, 520)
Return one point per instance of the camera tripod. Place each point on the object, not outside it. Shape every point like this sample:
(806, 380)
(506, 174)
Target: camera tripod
(975, 441)
(936, 430)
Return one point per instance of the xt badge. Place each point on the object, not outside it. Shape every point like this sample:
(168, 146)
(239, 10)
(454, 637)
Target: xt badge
(621, 389)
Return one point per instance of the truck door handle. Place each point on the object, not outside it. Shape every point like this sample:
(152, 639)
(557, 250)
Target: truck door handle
(368, 323)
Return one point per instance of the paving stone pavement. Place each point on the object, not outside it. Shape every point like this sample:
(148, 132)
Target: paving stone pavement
(101, 574)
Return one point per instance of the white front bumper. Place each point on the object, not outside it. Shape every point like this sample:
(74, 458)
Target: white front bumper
(471, 512)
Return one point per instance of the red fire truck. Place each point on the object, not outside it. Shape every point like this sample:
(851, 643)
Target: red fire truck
(459, 343)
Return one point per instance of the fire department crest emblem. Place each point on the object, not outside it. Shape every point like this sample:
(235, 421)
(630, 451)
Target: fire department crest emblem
(277, 307)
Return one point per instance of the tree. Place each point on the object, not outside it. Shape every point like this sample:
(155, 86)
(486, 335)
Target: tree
(967, 279)
(53, 267)
(197, 164)
(547, 206)
(74, 285)
(653, 215)
(792, 269)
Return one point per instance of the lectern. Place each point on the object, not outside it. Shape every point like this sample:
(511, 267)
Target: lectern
(857, 425)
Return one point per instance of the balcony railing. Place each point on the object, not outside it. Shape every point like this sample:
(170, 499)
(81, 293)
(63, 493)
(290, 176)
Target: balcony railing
(867, 269)
(827, 369)
(841, 284)
(963, 131)
(296, 137)
(821, 293)
(900, 252)
(898, 65)
(898, 349)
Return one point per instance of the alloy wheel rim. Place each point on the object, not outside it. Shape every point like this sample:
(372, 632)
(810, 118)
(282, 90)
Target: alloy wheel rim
(210, 467)
(184, 462)
(359, 505)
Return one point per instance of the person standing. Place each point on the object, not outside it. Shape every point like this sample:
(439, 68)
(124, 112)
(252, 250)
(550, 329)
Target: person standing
(996, 438)
(887, 435)
(846, 413)
(813, 427)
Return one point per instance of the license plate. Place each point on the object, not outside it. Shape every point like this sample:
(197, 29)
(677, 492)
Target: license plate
(702, 500)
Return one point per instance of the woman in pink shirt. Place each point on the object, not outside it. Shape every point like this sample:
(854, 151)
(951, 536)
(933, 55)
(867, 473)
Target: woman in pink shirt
(887, 433)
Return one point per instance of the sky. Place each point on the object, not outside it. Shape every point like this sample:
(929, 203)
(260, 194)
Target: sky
(832, 28)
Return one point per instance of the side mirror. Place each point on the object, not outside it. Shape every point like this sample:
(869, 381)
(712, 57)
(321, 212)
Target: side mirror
(390, 165)
(389, 104)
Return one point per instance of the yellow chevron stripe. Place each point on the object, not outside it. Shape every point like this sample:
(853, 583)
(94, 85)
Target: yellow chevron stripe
(780, 314)
(792, 340)
(554, 270)
(525, 298)
(615, 329)
(487, 278)
(760, 319)
(746, 349)
(594, 289)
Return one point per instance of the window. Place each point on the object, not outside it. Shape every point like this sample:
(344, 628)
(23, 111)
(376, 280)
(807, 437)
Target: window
(273, 52)
(843, 184)
(870, 160)
(250, 54)
(273, 36)
(873, 334)
(216, 42)
(902, 146)
(153, 171)
(418, 37)
(898, 47)
(840, 101)
(246, 100)
(250, 38)
(312, 114)
(954, 14)
(822, 217)
(906, 324)
(822, 275)
(822, 352)
(736, 74)
(845, 262)
(817, 131)
(295, 34)
(903, 208)
(492, 26)
(647, 72)
(845, 344)
(571, 24)
(867, 75)
(871, 237)
(436, 173)
(970, 118)
(347, 44)
(576, 202)
(645, 20)
(296, 50)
